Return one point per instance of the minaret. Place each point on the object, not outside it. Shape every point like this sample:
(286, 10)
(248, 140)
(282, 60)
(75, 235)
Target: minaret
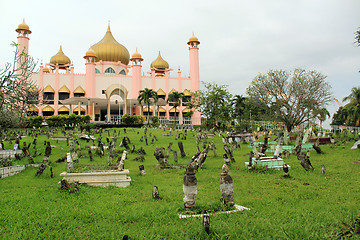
(136, 60)
(90, 57)
(194, 73)
(23, 42)
(194, 63)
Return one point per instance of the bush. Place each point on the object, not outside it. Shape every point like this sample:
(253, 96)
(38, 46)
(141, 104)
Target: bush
(132, 119)
(34, 121)
(154, 121)
(69, 120)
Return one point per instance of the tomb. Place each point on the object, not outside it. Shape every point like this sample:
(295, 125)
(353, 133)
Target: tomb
(270, 162)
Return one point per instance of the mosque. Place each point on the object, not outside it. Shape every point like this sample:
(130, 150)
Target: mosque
(107, 90)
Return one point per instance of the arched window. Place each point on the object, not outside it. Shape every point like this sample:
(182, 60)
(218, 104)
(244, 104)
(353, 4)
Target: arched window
(122, 72)
(97, 70)
(109, 70)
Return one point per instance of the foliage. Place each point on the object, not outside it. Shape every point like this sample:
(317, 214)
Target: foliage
(353, 107)
(5, 162)
(68, 120)
(321, 114)
(154, 120)
(132, 119)
(70, 187)
(293, 97)
(215, 103)
(175, 98)
(349, 115)
(239, 103)
(357, 37)
(34, 121)
(17, 91)
(147, 97)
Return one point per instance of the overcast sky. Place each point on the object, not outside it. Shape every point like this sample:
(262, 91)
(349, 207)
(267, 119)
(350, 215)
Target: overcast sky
(238, 38)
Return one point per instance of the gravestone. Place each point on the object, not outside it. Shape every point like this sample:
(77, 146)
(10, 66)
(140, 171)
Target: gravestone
(226, 186)
(189, 187)
(142, 170)
(181, 147)
(155, 192)
(70, 164)
(122, 161)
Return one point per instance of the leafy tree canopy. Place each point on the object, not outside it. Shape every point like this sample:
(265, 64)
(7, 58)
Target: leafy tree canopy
(292, 97)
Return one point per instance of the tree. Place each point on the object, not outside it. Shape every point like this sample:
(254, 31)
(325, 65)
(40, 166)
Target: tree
(175, 98)
(357, 37)
(353, 107)
(293, 96)
(322, 114)
(239, 103)
(146, 97)
(17, 91)
(215, 103)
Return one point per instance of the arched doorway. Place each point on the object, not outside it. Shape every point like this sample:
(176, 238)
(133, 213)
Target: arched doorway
(119, 90)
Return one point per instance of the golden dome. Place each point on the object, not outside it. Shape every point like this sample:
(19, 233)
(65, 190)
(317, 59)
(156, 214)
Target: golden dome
(90, 53)
(60, 58)
(46, 69)
(23, 26)
(109, 50)
(193, 39)
(136, 55)
(159, 63)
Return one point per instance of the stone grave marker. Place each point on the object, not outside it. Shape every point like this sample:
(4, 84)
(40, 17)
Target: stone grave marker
(226, 186)
(189, 187)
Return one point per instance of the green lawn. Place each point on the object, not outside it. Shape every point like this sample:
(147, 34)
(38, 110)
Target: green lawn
(34, 208)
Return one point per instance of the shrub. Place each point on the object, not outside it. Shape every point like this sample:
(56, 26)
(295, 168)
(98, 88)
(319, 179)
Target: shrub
(69, 120)
(132, 119)
(35, 121)
(154, 120)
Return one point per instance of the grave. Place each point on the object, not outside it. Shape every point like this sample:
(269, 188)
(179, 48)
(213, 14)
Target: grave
(117, 178)
(59, 138)
(270, 162)
(100, 178)
(9, 153)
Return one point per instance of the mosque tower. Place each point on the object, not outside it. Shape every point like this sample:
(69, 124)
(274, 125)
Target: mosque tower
(90, 57)
(23, 42)
(194, 71)
(194, 63)
(136, 60)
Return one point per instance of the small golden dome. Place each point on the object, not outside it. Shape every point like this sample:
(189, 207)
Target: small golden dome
(60, 58)
(136, 55)
(193, 39)
(46, 69)
(159, 63)
(90, 53)
(109, 50)
(23, 26)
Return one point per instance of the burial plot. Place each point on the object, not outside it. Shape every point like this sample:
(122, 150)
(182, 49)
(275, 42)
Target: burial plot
(104, 178)
(274, 162)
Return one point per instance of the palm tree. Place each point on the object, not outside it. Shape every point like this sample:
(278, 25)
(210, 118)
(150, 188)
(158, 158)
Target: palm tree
(146, 97)
(175, 98)
(353, 107)
(239, 106)
(322, 114)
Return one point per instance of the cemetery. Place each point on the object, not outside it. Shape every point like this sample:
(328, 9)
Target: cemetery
(164, 183)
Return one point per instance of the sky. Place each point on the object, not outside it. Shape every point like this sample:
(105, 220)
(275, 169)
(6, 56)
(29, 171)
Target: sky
(238, 38)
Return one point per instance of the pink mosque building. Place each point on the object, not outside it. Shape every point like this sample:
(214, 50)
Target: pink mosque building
(107, 90)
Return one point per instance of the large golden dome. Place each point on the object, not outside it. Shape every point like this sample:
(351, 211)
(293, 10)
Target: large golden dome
(60, 58)
(109, 50)
(159, 63)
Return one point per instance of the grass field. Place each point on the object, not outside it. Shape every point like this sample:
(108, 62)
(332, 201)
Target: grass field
(281, 208)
